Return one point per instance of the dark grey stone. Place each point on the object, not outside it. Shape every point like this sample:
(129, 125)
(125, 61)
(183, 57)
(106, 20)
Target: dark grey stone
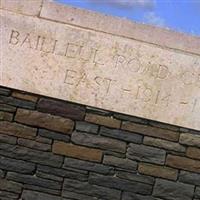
(17, 102)
(8, 139)
(146, 154)
(10, 186)
(122, 135)
(41, 189)
(135, 177)
(132, 196)
(33, 195)
(43, 140)
(49, 176)
(7, 108)
(5, 91)
(120, 162)
(89, 166)
(77, 196)
(189, 177)
(91, 190)
(120, 184)
(54, 135)
(63, 173)
(16, 165)
(197, 192)
(27, 154)
(4, 195)
(33, 180)
(2, 173)
(34, 145)
(98, 142)
(86, 127)
(173, 190)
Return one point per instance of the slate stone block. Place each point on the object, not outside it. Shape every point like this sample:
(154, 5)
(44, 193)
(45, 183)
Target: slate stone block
(173, 190)
(146, 154)
(89, 166)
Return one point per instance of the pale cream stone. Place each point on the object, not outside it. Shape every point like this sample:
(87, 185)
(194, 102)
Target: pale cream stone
(119, 26)
(26, 7)
(100, 70)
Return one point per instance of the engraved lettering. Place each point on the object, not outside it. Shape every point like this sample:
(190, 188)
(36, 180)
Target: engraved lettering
(69, 77)
(14, 37)
(27, 41)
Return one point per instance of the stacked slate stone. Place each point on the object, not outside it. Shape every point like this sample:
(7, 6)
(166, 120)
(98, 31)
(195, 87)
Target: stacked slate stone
(53, 150)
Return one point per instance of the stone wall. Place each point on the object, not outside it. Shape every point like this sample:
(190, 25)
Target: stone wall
(53, 150)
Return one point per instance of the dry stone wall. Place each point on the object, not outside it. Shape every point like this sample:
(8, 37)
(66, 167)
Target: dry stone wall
(52, 150)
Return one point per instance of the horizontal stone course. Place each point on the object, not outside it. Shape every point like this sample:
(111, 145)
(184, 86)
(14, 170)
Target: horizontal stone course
(98, 142)
(151, 131)
(44, 120)
(76, 151)
(190, 139)
(146, 154)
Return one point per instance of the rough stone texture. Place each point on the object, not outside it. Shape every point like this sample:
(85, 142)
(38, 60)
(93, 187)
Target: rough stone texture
(183, 163)
(103, 120)
(158, 171)
(173, 191)
(190, 139)
(151, 131)
(172, 146)
(44, 120)
(76, 151)
(122, 135)
(98, 142)
(146, 154)
(25, 96)
(94, 161)
(61, 108)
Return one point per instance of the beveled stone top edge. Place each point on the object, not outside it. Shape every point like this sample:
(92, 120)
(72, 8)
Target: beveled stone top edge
(165, 38)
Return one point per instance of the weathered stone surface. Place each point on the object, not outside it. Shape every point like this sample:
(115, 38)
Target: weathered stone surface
(43, 140)
(146, 154)
(91, 190)
(17, 130)
(6, 116)
(86, 127)
(150, 69)
(31, 7)
(34, 145)
(183, 163)
(49, 176)
(33, 195)
(98, 142)
(136, 177)
(197, 192)
(4, 195)
(173, 191)
(5, 91)
(102, 120)
(76, 151)
(61, 108)
(89, 166)
(190, 139)
(7, 108)
(33, 180)
(8, 139)
(10, 186)
(122, 135)
(16, 165)
(43, 120)
(132, 196)
(24, 96)
(17, 102)
(193, 152)
(158, 171)
(120, 184)
(190, 178)
(78, 175)
(27, 154)
(151, 131)
(2, 173)
(53, 135)
(120, 162)
(172, 146)
(73, 195)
